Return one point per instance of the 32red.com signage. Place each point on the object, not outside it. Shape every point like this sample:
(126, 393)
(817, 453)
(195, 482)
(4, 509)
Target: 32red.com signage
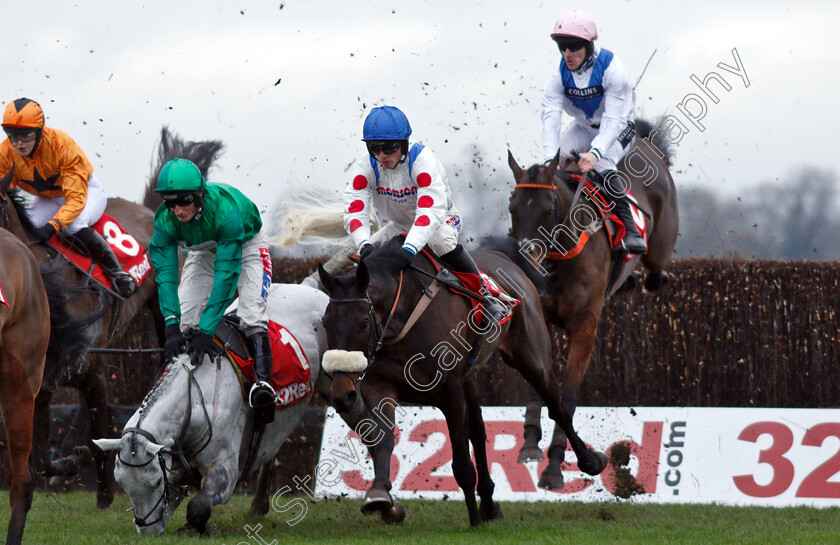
(678, 455)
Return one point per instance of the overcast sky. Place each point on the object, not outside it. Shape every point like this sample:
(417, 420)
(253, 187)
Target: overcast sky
(286, 84)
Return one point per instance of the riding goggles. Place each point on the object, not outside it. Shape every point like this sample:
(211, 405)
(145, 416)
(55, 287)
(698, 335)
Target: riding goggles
(383, 146)
(171, 200)
(574, 44)
(23, 136)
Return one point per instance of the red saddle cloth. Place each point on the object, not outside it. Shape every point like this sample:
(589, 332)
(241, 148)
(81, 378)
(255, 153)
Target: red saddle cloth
(616, 230)
(291, 374)
(471, 282)
(131, 255)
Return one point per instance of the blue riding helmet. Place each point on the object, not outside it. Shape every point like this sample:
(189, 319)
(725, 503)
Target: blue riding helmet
(386, 123)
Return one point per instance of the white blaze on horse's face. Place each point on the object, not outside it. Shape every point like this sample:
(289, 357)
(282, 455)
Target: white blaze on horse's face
(144, 485)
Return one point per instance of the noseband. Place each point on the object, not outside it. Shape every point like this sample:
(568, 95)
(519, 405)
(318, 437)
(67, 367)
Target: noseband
(377, 334)
(180, 492)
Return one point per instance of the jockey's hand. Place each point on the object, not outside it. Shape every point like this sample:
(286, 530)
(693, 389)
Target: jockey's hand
(175, 343)
(203, 344)
(365, 251)
(43, 234)
(405, 258)
(587, 162)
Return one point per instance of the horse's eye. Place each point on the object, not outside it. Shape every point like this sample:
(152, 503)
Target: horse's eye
(363, 325)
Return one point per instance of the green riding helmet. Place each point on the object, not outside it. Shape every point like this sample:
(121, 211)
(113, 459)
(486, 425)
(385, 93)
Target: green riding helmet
(180, 176)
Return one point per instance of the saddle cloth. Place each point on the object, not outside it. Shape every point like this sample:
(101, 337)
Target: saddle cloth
(615, 228)
(290, 375)
(470, 282)
(131, 255)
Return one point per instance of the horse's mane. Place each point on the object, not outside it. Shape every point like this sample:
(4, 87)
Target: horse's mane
(510, 247)
(160, 386)
(171, 146)
(70, 335)
(644, 128)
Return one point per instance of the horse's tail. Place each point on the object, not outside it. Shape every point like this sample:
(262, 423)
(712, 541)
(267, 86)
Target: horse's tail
(171, 146)
(311, 218)
(645, 129)
(70, 336)
(510, 247)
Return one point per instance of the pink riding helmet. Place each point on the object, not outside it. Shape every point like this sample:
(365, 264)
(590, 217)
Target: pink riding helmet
(576, 24)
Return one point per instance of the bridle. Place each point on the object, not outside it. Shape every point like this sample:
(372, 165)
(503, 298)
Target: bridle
(177, 450)
(377, 334)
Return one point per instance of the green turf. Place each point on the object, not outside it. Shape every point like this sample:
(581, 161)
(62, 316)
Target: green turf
(72, 519)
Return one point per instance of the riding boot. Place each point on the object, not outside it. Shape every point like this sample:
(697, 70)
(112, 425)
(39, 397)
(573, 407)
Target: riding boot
(262, 397)
(100, 251)
(633, 241)
(460, 260)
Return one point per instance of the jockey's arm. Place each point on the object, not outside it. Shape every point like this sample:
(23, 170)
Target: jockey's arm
(357, 202)
(431, 201)
(74, 171)
(619, 103)
(226, 271)
(163, 253)
(553, 101)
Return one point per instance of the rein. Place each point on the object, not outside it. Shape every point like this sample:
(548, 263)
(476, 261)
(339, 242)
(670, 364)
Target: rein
(178, 450)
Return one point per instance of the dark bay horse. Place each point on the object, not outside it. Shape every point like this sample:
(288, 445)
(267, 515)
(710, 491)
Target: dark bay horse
(365, 323)
(573, 287)
(116, 315)
(29, 305)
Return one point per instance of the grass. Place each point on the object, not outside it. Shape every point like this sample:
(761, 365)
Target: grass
(72, 518)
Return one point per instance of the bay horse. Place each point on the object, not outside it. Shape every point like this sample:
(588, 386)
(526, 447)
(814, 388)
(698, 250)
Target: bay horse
(574, 286)
(195, 424)
(373, 354)
(116, 319)
(33, 322)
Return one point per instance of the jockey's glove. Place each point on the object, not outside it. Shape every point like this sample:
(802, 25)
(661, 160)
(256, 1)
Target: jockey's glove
(203, 344)
(365, 251)
(404, 258)
(175, 343)
(43, 234)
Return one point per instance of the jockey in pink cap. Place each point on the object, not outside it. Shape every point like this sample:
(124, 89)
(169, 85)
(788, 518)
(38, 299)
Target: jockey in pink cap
(591, 85)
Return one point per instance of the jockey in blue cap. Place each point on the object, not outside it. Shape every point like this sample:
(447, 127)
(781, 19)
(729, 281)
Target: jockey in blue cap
(409, 189)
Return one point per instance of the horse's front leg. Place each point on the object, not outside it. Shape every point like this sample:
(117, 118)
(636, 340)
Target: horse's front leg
(377, 432)
(454, 407)
(95, 393)
(217, 487)
(532, 432)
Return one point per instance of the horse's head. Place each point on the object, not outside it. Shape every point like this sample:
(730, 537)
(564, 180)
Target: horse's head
(354, 321)
(141, 470)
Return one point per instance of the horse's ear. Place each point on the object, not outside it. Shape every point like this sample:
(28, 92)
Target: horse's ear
(6, 180)
(327, 280)
(514, 166)
(362, 277)
(551, 169)
(108, 444)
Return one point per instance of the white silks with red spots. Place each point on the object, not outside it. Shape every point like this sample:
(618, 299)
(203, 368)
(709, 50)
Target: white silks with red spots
(417, 200)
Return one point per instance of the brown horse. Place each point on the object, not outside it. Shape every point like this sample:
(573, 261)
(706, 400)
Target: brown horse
(574, 286)
(366, 323)
(87, 374)
(29, 304)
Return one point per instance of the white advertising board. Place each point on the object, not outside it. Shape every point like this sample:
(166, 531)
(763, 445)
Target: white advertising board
(737, 456)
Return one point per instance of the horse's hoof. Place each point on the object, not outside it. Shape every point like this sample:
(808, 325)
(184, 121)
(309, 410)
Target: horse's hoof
(551, 481)
(376, 501)
(259, 506)
(104, 500)
(493, 513)
(594, 464)
(530, 454)
(198, 513)
(394, 515)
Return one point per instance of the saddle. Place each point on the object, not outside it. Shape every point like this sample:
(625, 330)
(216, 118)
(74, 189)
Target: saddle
(290, 375)
(131, 255)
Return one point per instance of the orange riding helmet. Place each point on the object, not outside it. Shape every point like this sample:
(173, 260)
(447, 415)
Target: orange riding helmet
(23, 116)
